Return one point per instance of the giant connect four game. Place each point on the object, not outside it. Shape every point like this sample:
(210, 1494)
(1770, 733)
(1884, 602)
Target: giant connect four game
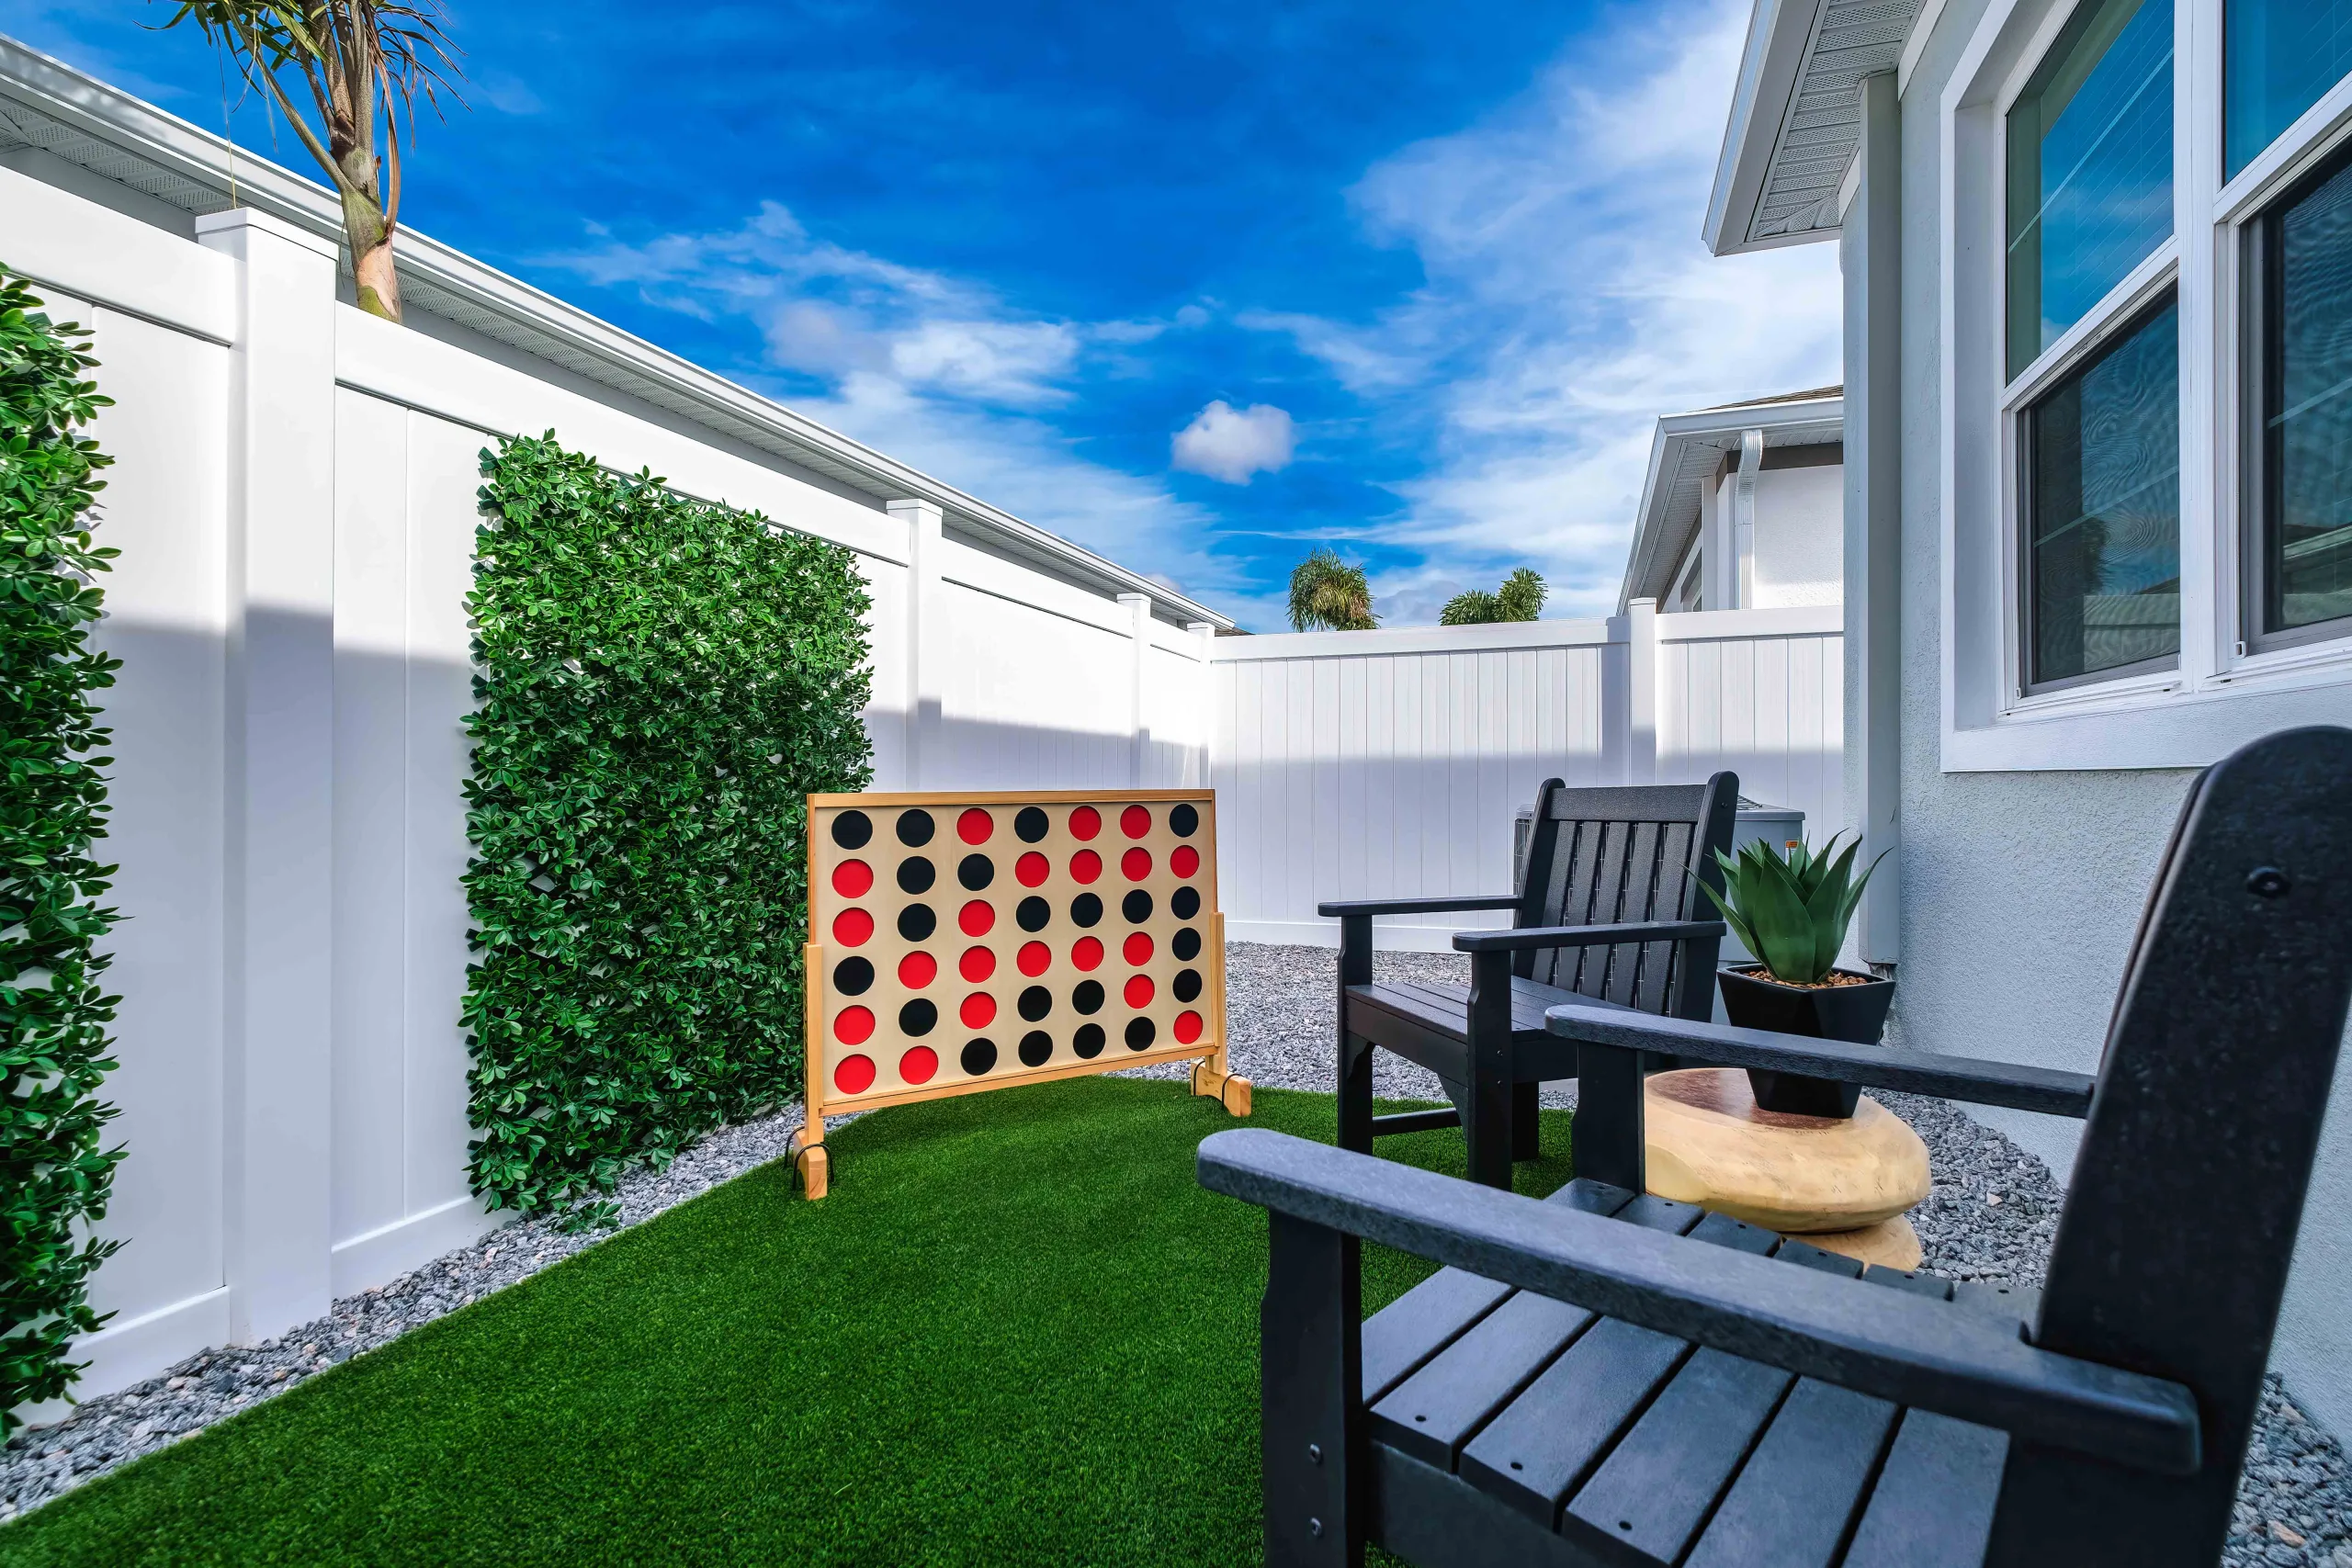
(964, 943)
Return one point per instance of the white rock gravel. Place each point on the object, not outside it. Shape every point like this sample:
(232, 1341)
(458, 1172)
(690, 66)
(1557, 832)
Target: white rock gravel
(1992, 1216)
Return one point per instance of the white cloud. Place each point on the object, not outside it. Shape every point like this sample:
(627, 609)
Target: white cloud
(1230, 444)
(1567, 303)
(932, 369)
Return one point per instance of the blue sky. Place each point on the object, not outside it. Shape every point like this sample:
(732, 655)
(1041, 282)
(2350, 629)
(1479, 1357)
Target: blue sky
(1202, 286)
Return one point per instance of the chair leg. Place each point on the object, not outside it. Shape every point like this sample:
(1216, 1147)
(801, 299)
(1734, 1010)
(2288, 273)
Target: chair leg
(1311, 1427)
(1488, 1126)
(1526, 1134)
(1356, 1093)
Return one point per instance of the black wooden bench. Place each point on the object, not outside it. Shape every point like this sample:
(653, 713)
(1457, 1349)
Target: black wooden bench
(1752, 1401)
(1608, 908)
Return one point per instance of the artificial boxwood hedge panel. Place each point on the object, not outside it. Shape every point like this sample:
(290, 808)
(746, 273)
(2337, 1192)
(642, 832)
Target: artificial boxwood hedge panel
(659, 682)
(55, 1175)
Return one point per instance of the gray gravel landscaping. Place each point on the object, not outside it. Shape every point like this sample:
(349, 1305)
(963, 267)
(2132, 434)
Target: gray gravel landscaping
(1991, 1216)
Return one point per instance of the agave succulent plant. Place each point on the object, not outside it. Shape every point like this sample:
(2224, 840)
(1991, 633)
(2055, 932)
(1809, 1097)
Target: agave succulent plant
(1791, 911)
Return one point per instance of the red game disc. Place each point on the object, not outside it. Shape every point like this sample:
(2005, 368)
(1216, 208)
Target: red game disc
(851, 926)
(918, 1064)
(1085, 822)
(853, 1074)
(1087, 953)
(975, 826)
(978, 1010)
(1139, 992)
(1136, 949)
(1032, 869)
(1135, 864)
(975, 918)
(1185, 861)
(854, 1026)
(917, 970)
(977, 964)
(1135, 821)
(852, 879)
(1085, 866)
(1188, 1028)
(1034, 958)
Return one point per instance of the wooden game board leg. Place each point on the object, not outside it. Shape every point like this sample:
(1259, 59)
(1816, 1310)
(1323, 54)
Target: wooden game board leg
(1214, 1076)
(808, 1157)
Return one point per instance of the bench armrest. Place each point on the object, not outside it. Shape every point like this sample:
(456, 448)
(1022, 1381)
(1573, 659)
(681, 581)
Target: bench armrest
(1341, 908)
(2011, 1084)
(1585, 936)
(1891, 1344)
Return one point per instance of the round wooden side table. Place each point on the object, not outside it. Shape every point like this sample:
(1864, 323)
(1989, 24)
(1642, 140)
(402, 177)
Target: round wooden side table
(1843, 1185)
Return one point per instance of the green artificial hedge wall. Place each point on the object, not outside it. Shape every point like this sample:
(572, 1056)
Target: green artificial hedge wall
(55, 1175)
(660, 682)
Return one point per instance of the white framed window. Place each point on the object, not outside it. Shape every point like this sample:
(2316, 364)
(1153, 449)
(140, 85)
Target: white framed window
(2147, 343)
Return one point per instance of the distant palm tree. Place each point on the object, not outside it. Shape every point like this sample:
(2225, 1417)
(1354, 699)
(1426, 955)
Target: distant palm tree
(1329, 594)
(1520, 598)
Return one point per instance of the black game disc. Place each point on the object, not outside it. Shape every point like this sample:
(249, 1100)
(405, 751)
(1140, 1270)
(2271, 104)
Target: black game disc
(851, 830)
(1030, 827)
(1088, 1040)
(1141, 1032)
(1184, 903)
(915, 829)
(1032, 913)
(916, 873)
(1086, 909)
(1186, 944)
(1036, 1003)
(1088, 997)
(1188, 984)
(1184, 821)
(851, 976)
(979, 1056)
(916, 922)
(976, 872)
(918, 1017)
(1036, 1046)
(1137, 906)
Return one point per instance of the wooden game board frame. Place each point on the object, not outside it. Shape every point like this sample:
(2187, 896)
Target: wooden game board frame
(1212, 1075)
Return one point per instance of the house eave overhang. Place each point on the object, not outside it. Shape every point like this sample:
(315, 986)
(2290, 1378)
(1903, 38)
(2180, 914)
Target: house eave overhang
(1796, 118)
(47, 104)
(1684, 450)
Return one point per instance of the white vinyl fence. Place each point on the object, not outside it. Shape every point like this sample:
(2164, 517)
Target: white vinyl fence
(1389, 765)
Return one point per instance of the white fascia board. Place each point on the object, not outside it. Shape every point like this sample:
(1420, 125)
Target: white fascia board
(1783, 424)
(203, 159)
(1779, 33)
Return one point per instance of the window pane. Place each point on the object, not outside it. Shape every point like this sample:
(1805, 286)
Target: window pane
(2103, 510)
(2307, 406)
(2280, 56)
(2090, 168)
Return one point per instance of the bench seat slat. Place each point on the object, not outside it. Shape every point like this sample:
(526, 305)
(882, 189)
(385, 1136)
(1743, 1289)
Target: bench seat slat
(1650, 1495)
(1544, 1444)
(1793, 1500)
(1933, 1502)
(1431, 1414)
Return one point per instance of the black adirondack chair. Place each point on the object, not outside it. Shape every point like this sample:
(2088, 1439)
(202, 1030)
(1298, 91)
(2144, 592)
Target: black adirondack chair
(1608, 908)
(1710, 1404)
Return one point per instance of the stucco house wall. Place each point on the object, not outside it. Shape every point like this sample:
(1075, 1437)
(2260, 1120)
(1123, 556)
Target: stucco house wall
(2020, 890)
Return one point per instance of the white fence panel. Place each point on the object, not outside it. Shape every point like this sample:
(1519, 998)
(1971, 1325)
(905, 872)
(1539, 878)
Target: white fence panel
(1391, 764)
(1383, 764)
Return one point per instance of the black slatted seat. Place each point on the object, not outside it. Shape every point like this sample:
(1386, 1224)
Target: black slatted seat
(1609, 912)
(1618, 1443)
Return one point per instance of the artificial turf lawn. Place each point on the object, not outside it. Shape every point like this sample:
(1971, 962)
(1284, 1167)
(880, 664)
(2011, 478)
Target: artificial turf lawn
(1017, 1332)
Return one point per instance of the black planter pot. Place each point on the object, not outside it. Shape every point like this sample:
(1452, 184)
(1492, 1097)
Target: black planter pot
(1854, 1014)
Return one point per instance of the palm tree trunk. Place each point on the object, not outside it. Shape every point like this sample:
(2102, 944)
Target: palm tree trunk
(370, 238)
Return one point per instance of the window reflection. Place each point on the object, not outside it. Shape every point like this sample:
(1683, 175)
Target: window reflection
(2306, 358)
(2279, 57)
